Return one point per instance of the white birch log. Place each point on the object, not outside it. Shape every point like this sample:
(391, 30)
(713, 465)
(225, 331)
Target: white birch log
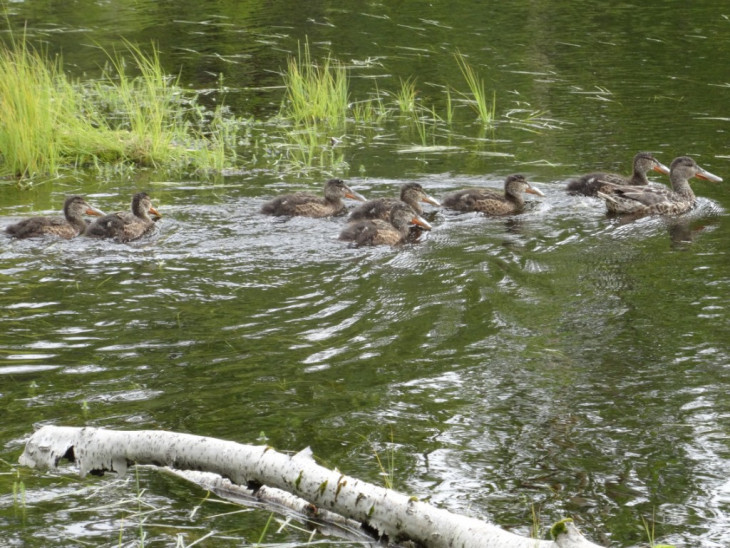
(398, 516)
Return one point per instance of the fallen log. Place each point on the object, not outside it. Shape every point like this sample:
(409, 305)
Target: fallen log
(391, 514)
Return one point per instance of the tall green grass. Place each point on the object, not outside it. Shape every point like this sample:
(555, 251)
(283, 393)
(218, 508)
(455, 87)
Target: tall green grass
(315, 94)
(480, 101)
(49, 121)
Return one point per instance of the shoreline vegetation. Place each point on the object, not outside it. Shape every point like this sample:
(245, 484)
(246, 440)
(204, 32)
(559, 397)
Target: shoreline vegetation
(51, 124)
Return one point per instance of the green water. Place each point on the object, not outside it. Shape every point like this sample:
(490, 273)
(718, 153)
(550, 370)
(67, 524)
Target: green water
(557, 359)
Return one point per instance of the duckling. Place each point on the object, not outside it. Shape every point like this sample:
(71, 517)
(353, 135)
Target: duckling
(125, 226)
(641, 201)
(591, 183)
(69, 226)
(490, 201)
(380, 232)
(410, 193)
(309, 205)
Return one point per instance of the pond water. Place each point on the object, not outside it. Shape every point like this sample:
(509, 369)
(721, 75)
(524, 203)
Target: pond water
(557, 361)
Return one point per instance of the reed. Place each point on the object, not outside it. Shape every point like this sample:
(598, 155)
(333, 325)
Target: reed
(48, 121)
(479, 101)
(406, 96)
(315, 94)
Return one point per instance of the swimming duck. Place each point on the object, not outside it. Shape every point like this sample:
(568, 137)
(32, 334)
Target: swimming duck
(591, 183)
(309, 205)
(69, 226)
(125, 226)
(380, 232)
(640, 201)
(410, 193)
(491, 201)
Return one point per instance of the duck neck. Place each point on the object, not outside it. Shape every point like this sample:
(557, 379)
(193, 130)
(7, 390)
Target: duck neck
(681, 186)
(516, 199)
(639, 177)
(413, 202)
(76, 221)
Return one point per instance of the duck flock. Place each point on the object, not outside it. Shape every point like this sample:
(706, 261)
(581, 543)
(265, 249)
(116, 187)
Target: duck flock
(387, 221)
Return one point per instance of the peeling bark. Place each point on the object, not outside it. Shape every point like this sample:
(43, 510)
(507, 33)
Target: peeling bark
(399, 517)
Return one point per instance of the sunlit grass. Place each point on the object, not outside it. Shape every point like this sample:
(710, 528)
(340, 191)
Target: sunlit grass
(49, 122)
(480, 101)
(315, 94)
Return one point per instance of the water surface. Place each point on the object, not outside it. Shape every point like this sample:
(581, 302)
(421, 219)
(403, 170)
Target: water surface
(557, 359)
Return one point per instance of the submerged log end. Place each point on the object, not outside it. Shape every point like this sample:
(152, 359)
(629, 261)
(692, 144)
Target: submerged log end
(48, 445)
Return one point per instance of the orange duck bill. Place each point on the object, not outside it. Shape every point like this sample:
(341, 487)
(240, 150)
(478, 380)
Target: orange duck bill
(420, 221)
(707, 176)
(532, 190)
(349, 193)
(155, 212)
(95, 212)
(660, 168)
(430, 200)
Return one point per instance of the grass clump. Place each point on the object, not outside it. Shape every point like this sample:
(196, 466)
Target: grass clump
(315, 94)
(480, 102)
(48, 121)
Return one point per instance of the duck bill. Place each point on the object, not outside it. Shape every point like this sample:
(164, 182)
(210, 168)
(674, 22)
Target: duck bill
(707, 176)
(660, 168)
(154, 212)
(95, 212)
(355, 196)
(420, 221)
(533, 190)
(431, 200)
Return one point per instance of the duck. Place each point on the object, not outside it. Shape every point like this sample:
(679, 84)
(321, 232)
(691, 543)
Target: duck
(379, 232)
(69, 226)
(309, 205)
(590, 184)
(491, 201)
(410, 193)
(125, 226)
(642, 201)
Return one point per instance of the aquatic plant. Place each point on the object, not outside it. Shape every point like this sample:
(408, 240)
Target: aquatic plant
(48, 121)
(406, 96)
(315, 94)
(479, 101)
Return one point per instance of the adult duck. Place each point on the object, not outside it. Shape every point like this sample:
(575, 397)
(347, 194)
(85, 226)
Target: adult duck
(410, 193)
(491, 201)
(125, 226)
(590, 184)
(380, 232)
(309, 205)
(641, 201)
(69, 226)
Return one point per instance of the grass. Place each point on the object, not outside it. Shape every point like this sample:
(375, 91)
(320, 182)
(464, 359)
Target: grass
(479, 101)
(406, 96)
(49, 122)
(315, 94)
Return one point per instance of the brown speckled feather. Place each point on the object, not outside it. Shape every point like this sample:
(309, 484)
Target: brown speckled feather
(125, 226)
(491, 201)
(592, 183)
(69, 226)
(309, 205)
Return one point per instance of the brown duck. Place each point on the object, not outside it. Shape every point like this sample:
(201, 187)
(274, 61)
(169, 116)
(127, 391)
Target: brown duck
(69, 226)
(410, 193)
(491, 201)
(125, 226)
(309, 205)
(380, 232)
(641, 201)
(591, 183)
